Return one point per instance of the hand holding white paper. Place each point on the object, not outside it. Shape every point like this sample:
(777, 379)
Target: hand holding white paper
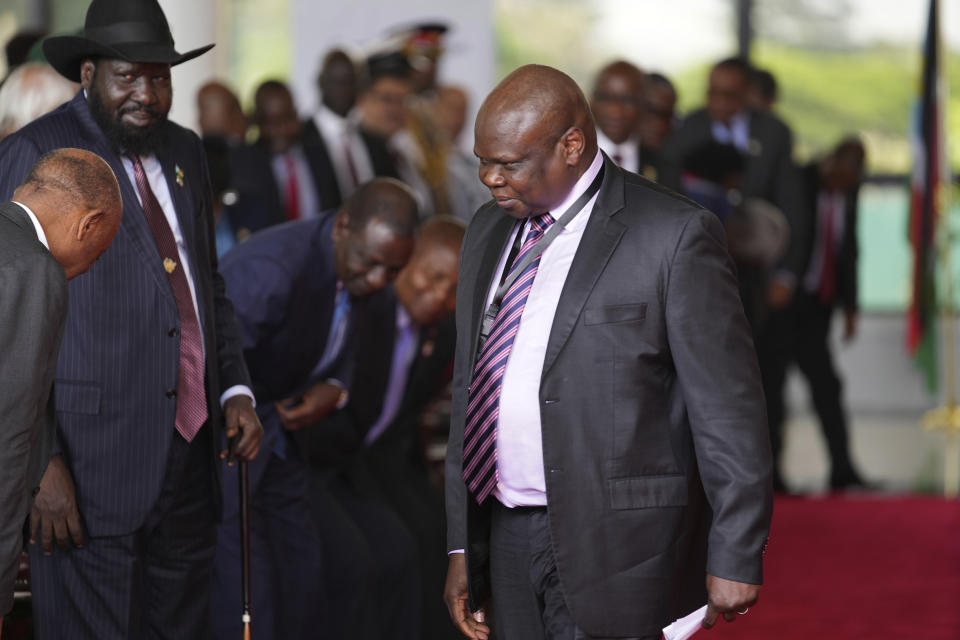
(686, 626)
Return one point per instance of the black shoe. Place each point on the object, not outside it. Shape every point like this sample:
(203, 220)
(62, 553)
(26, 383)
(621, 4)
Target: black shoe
(850, 480)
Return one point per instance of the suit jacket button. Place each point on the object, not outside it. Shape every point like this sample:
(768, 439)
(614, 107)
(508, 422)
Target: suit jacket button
(171, 393)
(173, 332)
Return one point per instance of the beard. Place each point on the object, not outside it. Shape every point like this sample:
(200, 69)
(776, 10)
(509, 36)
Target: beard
(128, 139)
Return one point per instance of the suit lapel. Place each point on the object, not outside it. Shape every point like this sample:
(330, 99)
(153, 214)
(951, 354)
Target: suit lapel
(599, 240)
(134, 222)
(493, 247)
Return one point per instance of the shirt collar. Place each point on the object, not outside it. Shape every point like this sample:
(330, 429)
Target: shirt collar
(328, 119)
(611, 147)
(41, 236)
(578, 190)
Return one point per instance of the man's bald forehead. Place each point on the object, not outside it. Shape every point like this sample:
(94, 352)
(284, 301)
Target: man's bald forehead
(621, 68)
(538, 94)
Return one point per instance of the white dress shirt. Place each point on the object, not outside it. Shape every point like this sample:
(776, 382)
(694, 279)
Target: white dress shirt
(736, 133)
(628, 151)
(158, 184)
(308, 204)
(519, 446)
(41, 236)
(340, 134)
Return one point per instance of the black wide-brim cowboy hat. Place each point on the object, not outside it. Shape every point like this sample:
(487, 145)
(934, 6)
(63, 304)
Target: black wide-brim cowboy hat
(131, 30)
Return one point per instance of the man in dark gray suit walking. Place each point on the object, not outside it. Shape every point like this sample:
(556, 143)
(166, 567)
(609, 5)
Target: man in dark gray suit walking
(609, 467)
(61, 219)
(151, 375)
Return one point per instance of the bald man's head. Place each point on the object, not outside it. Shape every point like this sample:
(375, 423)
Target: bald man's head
(534, 137)
(617, 100)
(427, 286)
(373, 235)
(220, 113)
(75, 197)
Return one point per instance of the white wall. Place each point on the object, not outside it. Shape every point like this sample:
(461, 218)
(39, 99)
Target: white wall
(193, 24)
(319, 26)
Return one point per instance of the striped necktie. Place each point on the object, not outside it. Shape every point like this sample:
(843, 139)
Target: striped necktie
(191, 394)
(483, 406)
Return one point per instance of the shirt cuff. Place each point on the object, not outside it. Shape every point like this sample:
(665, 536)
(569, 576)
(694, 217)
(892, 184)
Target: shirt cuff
(344, 392)
(237, 390)
(450, 553)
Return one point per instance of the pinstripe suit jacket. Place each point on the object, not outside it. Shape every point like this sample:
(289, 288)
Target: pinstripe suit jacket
(33, 308)
(120, 350)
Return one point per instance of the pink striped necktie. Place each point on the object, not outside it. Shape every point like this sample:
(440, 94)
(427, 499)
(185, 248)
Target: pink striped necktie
(483, 406)
(191, 394)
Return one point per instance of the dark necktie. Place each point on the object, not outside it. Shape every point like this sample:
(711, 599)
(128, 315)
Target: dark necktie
(292, 199)
(483, 407)
(191, 395)
(828, 274)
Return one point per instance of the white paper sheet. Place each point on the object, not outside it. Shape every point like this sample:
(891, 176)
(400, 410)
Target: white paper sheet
(686, 626)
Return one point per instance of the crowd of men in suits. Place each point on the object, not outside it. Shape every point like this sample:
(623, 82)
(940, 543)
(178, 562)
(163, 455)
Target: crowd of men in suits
(291, 284)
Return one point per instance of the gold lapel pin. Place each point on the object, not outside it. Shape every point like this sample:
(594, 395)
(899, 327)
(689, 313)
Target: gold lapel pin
(179, 173)
(169, 265)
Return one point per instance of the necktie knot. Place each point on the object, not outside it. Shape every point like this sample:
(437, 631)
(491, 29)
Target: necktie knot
(540, 224)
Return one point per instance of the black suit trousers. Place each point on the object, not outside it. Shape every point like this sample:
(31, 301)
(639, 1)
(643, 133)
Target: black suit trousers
(803, 338)
(151, 584)
(371, 578)
(528, 600)
(811, 353)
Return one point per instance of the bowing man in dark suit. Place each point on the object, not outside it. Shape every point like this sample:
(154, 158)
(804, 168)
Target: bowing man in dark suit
(151, 374)
(60, 221)
(355, 155)
(829, 282)
(298, 289)
(413, 327)
(599, 479)
(279, 177)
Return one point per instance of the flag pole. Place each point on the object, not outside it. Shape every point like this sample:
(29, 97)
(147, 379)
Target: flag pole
(934, 210)
(947, 417)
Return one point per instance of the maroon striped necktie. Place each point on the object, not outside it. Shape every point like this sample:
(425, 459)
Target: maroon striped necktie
(483, 406)
(191, 395)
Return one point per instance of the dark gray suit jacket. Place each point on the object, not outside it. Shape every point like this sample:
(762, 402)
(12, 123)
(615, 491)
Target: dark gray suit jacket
(33, 309)
(655, 445)
(117, 370)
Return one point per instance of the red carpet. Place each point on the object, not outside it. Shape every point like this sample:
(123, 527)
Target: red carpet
(857, 567)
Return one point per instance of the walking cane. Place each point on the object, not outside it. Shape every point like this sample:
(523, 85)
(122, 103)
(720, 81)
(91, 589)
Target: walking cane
(244, 533)
(245, 537)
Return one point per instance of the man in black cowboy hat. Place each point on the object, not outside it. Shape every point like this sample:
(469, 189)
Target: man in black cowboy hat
(151, 374)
